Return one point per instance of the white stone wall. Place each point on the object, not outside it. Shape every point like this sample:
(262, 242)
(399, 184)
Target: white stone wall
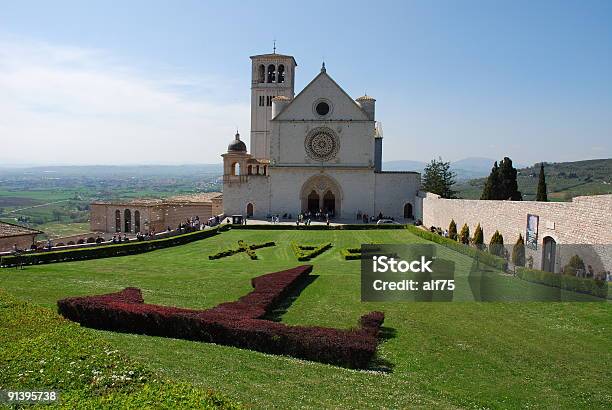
(255, 190)
(394, 190)
(585, 220)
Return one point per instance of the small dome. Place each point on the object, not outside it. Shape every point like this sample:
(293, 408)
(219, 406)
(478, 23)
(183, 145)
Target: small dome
(365, 98)
(236, 145)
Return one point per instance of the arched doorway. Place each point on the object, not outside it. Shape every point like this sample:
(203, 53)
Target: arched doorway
(136, 221)
(127, 215)
(408, 211)
(549, 251)
(329, 203)
(313, 201)
(117, 221)
(249, 210)
(321, 191)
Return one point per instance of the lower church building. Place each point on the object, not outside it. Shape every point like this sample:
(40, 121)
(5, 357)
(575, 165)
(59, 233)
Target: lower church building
(318, 151)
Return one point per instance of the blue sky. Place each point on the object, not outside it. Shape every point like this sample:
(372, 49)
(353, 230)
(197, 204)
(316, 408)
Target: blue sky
(112, 82)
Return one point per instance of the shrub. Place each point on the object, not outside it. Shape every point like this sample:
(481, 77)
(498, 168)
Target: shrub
(464, 236)
(518, 252)
(483, 257)
(598, 288)
(242, 247)
(496, 245)
(351, 253)
(237, 323)
(452, 230)
(573, 265)
(478, 239)
(106, 251)
(308, 252)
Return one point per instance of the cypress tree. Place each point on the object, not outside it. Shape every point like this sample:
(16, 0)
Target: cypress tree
(496, 245)
(452, 230)
(464, 236)
(518, 252)
(508, 189)
(542, 195)
(491, 188)
(478, 239)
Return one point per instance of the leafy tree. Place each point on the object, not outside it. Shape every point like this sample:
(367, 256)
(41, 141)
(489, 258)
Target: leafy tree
(518, 252)
(496, 245)
(57, 215)
(502, 183)
(542, 195)
(439, 179)
(573, 265)
(464, 236)
(478, 239)
(452, 230)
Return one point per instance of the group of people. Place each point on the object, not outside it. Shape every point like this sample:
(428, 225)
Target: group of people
(365, 218)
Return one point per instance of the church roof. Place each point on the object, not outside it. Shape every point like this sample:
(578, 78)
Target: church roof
(365, 98)
(281, 98)
(313, 81)
(8, 230)
(274, 55)
(236, 145)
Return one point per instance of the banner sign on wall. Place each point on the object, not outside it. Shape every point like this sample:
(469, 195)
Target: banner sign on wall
(531, 237)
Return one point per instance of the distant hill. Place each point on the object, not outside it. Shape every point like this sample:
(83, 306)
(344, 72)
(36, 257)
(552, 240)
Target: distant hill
(564, 180)
(466, 168)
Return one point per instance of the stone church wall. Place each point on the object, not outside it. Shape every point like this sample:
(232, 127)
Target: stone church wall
(585, 220)
(394, 190)
(255, 190)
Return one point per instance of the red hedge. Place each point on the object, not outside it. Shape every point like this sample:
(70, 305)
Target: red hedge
(238, 323)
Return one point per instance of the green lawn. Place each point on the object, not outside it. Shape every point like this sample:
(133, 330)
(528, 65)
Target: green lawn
(442, 355)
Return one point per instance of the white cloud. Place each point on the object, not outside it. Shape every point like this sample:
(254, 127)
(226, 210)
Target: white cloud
(72, 105)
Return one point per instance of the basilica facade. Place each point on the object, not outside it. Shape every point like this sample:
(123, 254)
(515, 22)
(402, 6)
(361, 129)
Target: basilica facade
(317, 151)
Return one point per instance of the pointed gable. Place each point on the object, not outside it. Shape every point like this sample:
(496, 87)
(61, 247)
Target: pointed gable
(322, 87)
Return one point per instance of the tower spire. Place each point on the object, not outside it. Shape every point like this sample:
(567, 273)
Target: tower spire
(274, 48)
(323, 69)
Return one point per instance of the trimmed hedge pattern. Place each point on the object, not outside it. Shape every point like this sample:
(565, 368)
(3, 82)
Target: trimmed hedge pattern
(238, 323)
(351, 253)
(242, 247)
(598, 288)
(483, 257)
(308, 252)
(105, 251)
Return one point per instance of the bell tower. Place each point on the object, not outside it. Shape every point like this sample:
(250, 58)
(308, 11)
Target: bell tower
(272, 75)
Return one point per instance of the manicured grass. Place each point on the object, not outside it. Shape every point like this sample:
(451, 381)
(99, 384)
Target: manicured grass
(41, 351)
(442, 355)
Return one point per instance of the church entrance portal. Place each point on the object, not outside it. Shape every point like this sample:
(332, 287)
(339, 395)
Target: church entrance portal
(329, 203)
(313, 202)
(321, 192)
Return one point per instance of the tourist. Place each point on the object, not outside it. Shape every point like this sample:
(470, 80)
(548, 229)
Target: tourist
(49, 245)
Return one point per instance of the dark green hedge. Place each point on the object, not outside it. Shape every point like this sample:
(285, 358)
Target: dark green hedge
(598, 288)
(349, 227)
(242, 247)
(351, 253)
(106, 251)
(307, 252)
(483, 257)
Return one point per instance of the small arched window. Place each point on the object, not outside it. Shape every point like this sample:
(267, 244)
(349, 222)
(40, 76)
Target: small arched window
(261, 74)
(250, 170)
(265, 170)
(257, 170)
(271, 73)
(281, 74)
